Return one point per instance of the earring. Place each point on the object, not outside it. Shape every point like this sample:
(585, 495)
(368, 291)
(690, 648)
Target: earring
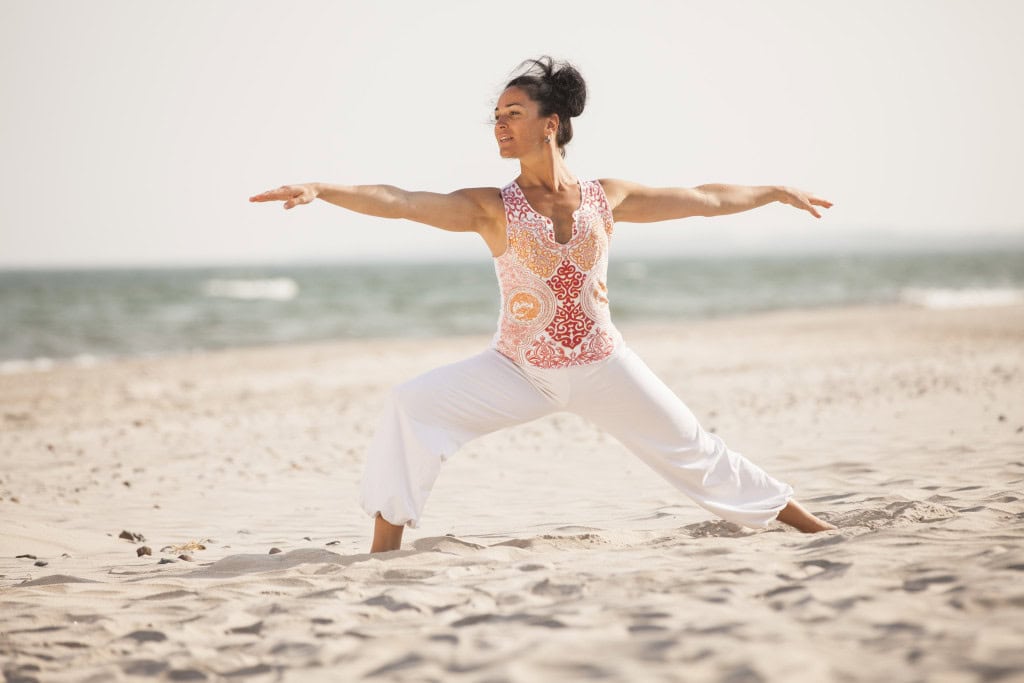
(547, 139)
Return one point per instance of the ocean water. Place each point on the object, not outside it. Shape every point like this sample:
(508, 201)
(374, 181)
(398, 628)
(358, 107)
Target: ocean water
(85, 316)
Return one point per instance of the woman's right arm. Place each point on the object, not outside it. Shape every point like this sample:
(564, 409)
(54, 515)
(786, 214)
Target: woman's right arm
(466, 210)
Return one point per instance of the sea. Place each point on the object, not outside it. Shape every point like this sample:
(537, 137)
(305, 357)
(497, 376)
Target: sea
(84, 317)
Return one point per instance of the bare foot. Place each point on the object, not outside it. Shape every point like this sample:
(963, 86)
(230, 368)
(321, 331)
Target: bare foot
(795, 515)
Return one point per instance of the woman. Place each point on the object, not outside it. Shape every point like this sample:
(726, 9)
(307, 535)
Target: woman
(556, 348)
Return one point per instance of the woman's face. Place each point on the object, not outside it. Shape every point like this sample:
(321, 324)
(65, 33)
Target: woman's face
(518, 126)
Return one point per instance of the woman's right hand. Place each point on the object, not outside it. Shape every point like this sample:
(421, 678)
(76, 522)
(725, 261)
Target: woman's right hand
(291, 195)
(477, 209)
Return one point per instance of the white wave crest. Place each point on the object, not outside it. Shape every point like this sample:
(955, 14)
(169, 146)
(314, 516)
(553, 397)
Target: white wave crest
(972, 297)
(272, 289)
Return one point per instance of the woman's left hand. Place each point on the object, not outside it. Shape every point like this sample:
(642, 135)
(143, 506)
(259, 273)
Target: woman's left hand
(802, 200)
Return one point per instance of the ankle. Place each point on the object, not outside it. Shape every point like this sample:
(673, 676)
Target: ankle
(386, 536)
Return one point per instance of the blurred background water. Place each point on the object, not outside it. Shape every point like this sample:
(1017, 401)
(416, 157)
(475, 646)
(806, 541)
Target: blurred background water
(88, 315)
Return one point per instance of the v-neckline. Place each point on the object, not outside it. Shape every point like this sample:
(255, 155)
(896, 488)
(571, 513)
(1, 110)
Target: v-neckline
(549, 221)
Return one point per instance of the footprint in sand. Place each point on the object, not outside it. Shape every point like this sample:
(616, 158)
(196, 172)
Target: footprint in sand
(897, 513)
(445, 544)
(717, 527)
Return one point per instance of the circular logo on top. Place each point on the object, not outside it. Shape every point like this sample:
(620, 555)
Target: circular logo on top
(530, 306)
(524, 306)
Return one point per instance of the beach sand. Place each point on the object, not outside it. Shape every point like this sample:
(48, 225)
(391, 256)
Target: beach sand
(546, 552)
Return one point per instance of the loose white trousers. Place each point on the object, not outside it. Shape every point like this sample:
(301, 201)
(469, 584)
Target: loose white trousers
(428, 418)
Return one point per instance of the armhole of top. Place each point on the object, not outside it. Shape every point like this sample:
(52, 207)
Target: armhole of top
(504, 206)
(606, 213)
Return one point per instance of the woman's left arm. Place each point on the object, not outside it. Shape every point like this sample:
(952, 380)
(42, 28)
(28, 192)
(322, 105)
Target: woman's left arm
(634, 203)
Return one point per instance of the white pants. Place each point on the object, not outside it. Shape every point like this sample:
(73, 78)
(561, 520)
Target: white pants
(430, 417)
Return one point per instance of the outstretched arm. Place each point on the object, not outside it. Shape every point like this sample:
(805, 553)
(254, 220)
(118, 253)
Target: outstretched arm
(634, 203)
(460, 211)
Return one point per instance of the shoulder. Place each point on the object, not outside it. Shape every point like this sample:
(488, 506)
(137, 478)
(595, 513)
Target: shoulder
(616, 190)
(488, 199)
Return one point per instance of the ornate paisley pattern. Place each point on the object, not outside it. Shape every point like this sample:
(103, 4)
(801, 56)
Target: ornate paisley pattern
(554, 310)
(532, 252)
(586, 253)
(567, 282)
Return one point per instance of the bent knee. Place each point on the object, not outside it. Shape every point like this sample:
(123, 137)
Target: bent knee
(411, 395)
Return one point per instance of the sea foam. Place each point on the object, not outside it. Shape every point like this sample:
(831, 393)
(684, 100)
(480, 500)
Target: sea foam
(972, 297)
(273, 289)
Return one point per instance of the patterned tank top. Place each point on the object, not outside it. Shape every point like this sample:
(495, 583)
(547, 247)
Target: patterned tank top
(554, 297)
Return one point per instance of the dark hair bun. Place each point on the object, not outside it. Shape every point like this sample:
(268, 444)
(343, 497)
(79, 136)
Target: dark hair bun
(558, 86)
(569, 89)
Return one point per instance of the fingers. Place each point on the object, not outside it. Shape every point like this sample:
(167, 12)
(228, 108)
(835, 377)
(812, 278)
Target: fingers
(809, 202)
(291, 195)
(298, 197)
(817, 201)
(283, 192)
(805, 201)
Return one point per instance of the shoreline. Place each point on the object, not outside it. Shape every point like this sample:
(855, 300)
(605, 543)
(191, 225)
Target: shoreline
(42, 364)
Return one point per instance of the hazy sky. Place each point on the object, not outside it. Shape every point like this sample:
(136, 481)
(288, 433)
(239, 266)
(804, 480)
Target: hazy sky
(133, 132)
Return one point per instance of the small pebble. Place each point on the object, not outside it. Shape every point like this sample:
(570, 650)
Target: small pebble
(31, 557)
(1002, 418)
(274, 551)
(185, 558)
(166, 560)
(41, 563)
(333, 542)
(132, 536)
(306, 538)
(143, 550)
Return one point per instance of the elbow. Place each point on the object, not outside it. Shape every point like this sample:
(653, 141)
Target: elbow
(397, 203)
(710, 204)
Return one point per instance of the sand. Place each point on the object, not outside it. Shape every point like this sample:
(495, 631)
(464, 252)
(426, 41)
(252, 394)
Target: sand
(546, 552)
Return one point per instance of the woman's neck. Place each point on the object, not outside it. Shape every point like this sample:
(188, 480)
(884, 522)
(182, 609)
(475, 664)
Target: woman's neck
(549, 170)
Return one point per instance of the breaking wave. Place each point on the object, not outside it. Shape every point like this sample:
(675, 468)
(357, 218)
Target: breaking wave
(270, 289)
